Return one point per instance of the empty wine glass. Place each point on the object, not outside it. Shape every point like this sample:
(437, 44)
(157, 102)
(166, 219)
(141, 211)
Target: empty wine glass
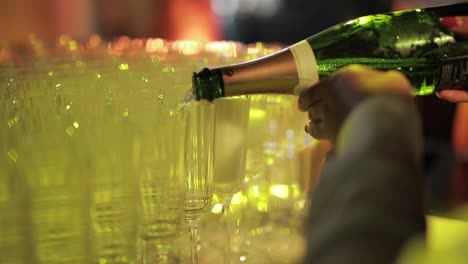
(229, 155)
(161, 183)
(275, 197)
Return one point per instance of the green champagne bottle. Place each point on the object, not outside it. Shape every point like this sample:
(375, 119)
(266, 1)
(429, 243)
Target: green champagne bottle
(411, 41)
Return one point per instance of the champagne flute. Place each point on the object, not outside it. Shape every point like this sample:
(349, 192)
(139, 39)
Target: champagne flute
(277, 195)
(199, 164)
(108, 147)
(229, 155)
(199, 134)
(161, 183)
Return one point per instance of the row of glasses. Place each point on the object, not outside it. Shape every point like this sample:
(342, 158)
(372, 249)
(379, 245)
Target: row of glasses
(230, 127)
(268, 209)
(75, 171)
(37, 200)
(270, 205)
(127, 143)
(216, 139)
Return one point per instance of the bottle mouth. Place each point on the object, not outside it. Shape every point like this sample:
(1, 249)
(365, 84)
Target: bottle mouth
(208, 84)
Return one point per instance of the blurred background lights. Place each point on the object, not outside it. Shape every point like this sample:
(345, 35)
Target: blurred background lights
(280, 191)
(225, 8)
(229, 8)
(217, 208)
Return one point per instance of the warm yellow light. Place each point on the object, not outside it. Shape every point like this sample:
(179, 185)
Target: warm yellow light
(72, 45)
(253, 51)
(224, 48)
(280, 191)
(168, 69)
(296, 190)
(123, 67)
(300, 204)
(156, 45)
(445, 232)
(256, 113)
(255, 191)
(237, 198)
(270, 161)
(187, 47)
(217, 208)
(262, 206)
(446, 243)
(64, 39)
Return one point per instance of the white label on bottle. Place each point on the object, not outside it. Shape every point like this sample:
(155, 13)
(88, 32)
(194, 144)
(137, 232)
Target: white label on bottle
(306, 65)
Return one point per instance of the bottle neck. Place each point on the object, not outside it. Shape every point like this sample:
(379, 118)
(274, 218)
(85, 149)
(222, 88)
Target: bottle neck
(278, 73)
(208, 84)
(275, 73)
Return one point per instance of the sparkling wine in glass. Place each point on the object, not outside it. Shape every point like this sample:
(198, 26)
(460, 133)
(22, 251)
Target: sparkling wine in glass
(199, 164)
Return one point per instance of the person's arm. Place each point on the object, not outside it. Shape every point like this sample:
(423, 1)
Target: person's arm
(369, 201)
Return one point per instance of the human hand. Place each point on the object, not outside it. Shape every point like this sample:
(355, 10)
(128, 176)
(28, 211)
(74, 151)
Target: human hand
(458, 25)
(330, 100)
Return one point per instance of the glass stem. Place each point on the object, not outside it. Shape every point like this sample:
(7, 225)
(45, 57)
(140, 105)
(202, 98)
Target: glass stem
(227, 241)
(193, 233)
